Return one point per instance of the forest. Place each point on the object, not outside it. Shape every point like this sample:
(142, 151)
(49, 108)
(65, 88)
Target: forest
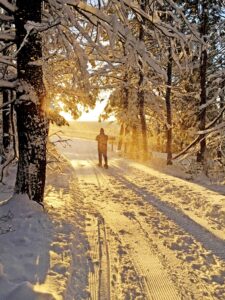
(144, 219)
(162, 61)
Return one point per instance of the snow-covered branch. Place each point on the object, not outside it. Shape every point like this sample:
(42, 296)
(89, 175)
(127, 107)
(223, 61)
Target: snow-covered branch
(7, 61)
(213, 122)
(6, 18)
(208, 129)
(8, 85)
(6, 37)
(9, 7)
(111, 24)
(180, 12)
(41, 27)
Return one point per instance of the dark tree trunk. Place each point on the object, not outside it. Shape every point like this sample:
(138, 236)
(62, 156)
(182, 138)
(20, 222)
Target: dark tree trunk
(121, 137)
(135, 143)
(168, 109)
(203, 78)
(32, 126)
(126, 132)
(221, 104)
(124, 126)
(141, 96)
(143, 119)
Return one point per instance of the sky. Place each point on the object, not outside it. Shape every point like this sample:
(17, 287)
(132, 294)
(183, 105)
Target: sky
(92, 114)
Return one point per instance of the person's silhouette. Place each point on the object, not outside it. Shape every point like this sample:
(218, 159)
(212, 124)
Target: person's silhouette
(102, 139)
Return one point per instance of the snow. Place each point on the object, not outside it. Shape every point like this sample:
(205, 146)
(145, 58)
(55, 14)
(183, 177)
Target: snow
(133, 231)
(37, 247)
(7, 84)
(7, 5)
(22, 246)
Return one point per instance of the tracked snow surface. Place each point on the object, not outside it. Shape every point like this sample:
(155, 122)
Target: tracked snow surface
(129, 232)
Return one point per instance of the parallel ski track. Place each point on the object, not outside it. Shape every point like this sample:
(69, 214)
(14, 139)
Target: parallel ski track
(104, 259)
(183, 219)
(155, 287)
(100, 276)
(208, 240)
(94, 254)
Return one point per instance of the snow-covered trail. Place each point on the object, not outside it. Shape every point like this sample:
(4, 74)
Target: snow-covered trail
(150, 235)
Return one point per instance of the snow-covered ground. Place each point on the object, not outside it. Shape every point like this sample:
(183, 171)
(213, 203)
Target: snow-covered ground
(129, 232)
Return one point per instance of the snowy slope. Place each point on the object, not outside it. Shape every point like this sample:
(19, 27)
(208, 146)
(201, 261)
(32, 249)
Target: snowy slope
(38, 248)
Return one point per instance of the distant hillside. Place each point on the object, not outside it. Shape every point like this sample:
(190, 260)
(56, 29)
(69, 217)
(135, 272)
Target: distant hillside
(87, 130)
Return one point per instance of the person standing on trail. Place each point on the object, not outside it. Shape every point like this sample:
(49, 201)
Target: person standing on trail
(102, 139)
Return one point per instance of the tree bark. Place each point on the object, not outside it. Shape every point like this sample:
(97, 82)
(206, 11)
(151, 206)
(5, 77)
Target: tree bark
(168, 108)
(203, 78)
(121, 137)
(143, 119)
(32, 125)
(141, 96)
(135, 143)
(124, 126)
(126, 132)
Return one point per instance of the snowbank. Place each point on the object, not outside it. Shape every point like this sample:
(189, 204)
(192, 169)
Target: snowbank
(24, 249)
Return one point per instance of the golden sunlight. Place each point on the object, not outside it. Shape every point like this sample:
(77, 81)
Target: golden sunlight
(66, 115)
(93, 114)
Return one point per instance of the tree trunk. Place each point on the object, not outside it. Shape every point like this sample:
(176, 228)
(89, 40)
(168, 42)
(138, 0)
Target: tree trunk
(126, 132)
(124, 126)
(32, 126)
(121, 137)
(221, 105)
(141, 96)
(203, 78)
(168, 109)
(135, 143)
(143, 120)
